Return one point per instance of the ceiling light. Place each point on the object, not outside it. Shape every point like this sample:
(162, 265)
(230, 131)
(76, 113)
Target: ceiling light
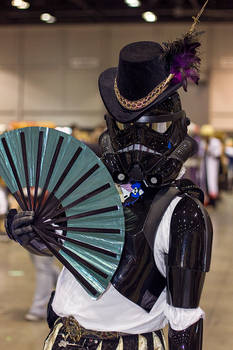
(46, 17)
(52, 19)
(20, 4)
(149, 16)
(133, 3)
(16, 3)
(23, 5)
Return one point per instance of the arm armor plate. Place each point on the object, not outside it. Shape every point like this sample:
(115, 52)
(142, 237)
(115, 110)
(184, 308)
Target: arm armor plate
(189, 253)
(187, 339)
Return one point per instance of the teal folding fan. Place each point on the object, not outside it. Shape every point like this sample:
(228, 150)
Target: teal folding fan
(78, 212)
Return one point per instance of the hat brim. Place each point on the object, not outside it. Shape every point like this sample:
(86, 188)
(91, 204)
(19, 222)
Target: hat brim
(106, 88)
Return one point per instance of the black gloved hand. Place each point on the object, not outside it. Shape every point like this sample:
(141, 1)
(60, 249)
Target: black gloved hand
(18, 226)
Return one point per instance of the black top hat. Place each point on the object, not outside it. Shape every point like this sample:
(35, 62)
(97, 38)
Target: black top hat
(141, 80)
(148, 73)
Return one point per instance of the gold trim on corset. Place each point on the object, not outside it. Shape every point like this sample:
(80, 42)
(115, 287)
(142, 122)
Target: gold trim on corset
(145, 101)
(75, 331)
(52, 336)
(142, 343)
(156, 342)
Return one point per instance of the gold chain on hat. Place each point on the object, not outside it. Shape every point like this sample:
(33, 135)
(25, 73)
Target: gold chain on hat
(144, 101)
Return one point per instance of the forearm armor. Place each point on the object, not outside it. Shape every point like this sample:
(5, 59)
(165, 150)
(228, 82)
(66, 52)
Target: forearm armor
(187, 339)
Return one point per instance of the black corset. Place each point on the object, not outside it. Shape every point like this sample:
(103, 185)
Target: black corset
(137, 277)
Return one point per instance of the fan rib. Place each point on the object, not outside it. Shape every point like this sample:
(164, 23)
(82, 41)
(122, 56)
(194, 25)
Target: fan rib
(73, 255)
(89, 229)
(79, 277)
(18, 199)
(79, 182)
(50, 172)
(38, 167)
(53, 213)
(25, 163)
(85, 214)
(78, 243)
(8, 153)
(48, 205)
(94, 229)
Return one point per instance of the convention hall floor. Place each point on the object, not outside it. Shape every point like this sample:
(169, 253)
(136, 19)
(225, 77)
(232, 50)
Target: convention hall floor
(16, 289)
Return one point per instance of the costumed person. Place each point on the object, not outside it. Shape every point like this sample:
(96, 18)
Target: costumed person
(209, 170)
(192, 165)
(229, 154)
(167, 245)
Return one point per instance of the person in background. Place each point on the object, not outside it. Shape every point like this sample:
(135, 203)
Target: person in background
(229, 154)
(222, 183)
(211, 150)
(4, 207)
(74, 130)
(192, 165)
(46, 274)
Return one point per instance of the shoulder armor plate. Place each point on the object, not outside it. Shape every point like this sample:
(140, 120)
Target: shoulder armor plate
(189, 252)
(190, 235)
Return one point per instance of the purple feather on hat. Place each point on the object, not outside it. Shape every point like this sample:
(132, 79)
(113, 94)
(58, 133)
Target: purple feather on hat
(182, 56)
(183, 60)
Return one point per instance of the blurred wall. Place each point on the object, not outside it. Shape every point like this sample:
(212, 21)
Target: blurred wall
(51, 72)
(221, 76)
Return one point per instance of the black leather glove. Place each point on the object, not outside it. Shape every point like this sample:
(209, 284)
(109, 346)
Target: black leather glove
(18, 226)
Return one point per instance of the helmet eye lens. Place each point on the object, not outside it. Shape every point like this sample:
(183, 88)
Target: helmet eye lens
(120, 125)
(161, 127)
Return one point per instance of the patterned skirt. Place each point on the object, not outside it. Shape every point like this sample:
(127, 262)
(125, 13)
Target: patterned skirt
(68, 334)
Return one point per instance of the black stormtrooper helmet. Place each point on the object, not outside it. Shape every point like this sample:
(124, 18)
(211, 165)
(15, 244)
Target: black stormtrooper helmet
(151, 149)
(146, 138)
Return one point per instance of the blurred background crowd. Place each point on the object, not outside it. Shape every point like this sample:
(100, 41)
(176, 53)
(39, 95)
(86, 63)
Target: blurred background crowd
(211, 168)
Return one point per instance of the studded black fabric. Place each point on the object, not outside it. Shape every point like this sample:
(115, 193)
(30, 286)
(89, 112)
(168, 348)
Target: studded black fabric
(187, 227)
(187, 339)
